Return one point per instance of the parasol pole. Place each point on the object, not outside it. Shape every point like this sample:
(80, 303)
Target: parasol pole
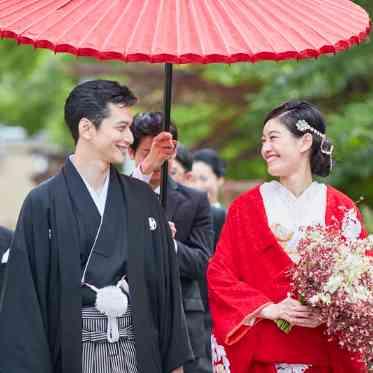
(167, 100)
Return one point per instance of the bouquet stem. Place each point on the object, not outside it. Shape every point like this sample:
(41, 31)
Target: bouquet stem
(283, 325)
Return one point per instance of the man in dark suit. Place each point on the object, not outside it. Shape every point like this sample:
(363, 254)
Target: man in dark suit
(5, 239)
(181, 170)
(188, 212)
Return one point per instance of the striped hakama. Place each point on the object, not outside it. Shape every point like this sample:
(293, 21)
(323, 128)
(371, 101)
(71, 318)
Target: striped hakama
(101, 356)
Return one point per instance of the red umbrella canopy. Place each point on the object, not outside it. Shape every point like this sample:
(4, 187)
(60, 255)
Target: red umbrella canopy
(186, 31)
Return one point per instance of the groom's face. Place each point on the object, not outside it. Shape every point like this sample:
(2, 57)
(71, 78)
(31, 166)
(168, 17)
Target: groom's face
(111, 140)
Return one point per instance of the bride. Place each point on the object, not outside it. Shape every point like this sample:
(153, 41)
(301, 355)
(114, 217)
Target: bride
(247, 277)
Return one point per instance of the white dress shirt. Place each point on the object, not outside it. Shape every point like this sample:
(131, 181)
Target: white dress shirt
(99, 196)
(137, 174)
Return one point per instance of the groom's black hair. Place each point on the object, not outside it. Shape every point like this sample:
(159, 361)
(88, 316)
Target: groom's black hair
(90, 100)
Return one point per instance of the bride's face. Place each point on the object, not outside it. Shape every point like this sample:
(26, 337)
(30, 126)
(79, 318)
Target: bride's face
(284, 153)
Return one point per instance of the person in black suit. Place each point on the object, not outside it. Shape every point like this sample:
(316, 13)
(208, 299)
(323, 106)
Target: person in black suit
(210, 171)
(181, 170)
(6, 236)
(208, 175)
(181, 166)
(188, 212)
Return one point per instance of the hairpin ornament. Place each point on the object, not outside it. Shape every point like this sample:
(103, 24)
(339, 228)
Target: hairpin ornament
(325, 147)
(303, 126)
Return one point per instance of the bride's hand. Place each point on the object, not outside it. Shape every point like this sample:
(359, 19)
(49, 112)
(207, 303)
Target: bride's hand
(293, 312)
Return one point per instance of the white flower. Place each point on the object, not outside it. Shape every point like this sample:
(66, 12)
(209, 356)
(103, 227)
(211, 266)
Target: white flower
(314, 299)
(351, 266)
(334, 283)
(351, 226)
(358, 293)
(321, 297)
(325, 298)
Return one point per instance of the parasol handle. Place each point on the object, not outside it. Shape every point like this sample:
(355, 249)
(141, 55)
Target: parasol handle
(167, 100)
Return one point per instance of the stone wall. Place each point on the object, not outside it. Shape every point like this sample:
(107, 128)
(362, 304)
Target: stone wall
(16, 168)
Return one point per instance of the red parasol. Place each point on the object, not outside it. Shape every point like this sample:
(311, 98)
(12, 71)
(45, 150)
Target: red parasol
(186, 31)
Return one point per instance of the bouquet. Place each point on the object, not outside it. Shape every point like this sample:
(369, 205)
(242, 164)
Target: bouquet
(335, 276)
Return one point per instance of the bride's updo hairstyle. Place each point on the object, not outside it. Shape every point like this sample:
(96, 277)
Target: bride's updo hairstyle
(301, 117)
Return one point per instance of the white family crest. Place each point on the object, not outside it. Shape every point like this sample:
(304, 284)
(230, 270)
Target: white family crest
(5, 257)
(351, 226)
(152, 224)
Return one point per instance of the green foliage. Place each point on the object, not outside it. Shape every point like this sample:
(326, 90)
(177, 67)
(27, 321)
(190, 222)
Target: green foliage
(368, 218)
(341, 85)
(188, 121)
(33, 84)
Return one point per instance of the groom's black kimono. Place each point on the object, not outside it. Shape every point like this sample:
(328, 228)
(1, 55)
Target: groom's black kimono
(40, 317)
(5, 240)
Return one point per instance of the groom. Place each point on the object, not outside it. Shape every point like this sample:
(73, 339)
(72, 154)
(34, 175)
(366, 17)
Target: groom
(85, 232)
